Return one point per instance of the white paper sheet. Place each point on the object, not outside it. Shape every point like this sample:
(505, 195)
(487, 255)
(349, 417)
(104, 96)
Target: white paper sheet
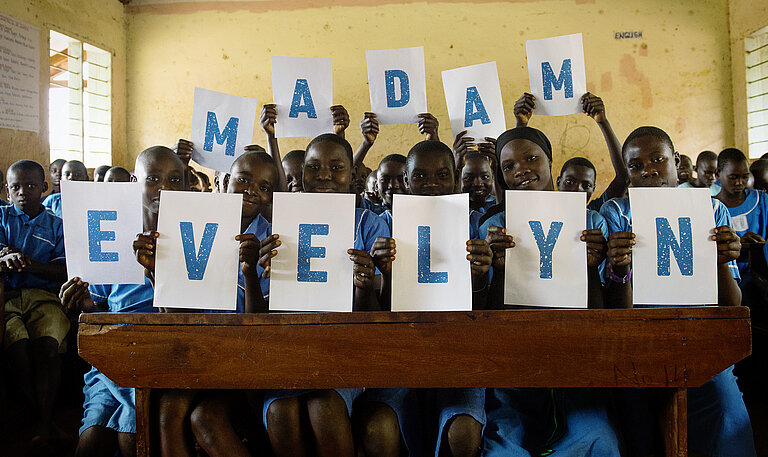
(397, 84)
(302, 89)
(557, 74)
(473, 96)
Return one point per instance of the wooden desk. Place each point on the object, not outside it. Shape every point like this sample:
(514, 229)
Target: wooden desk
(673, 348)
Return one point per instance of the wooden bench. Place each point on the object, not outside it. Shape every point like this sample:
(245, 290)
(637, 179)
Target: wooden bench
(673, 349)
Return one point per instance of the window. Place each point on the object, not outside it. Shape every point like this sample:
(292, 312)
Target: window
(79, 101)
(756, 46)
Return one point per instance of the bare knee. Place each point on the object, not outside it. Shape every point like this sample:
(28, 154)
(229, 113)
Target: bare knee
(464, 435)
(174, 407)
(96, 441)
(283, 412)
(204, 418)
(379, 430)
(127, 444)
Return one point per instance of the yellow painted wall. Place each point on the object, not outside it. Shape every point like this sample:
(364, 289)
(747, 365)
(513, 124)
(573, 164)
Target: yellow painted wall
(677, 76)
(745, 18)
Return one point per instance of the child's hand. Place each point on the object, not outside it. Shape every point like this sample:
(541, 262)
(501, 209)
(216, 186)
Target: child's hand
(383, 253)
(499, 242)
(340, 119)
(370, 128)
(619, 246)
(364, 269)
(596, 246)
(74, 296)
(751, 238)
(524, 107)
(14, 261)
(183, 149)
(728, 244)
(594, 107)
(461, 146)
(480, 257)
(267, 251)
(144, 249)
(488, 147)
(249, 252)
(428, 125)
(267, 118)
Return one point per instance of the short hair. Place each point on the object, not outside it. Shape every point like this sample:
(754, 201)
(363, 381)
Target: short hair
(578, 162)
(79, 165)
(333, 138)
(28, 165)
(651, 131)
(159, 150)
(118, 171)
(103, 169)
(261, 156)
(758, 166)
(397, 158)
(295, 154)
(730, 155)
(61, 163)
(685, 157)
(706, 155)
(430, 146)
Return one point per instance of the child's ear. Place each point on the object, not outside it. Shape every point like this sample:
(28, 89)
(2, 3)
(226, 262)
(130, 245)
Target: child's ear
(45, 186)
(405, 180)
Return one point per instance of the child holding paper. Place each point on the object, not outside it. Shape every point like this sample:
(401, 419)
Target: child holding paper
(32, 264)
(327, 168)
(718, 423)
(533, 420)
(74, 170)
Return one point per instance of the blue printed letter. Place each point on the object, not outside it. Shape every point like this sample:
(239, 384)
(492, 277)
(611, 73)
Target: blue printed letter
(470, 115)
(666, 241)
(302, 101)
(307, 252)
(405, 88)
(229, 134)
(196, 263)
(96, 236)
(549, 80)
(546, 246)
(424, 254)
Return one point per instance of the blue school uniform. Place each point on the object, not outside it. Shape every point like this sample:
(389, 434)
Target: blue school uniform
(714, 189)
(371, 206)
(53, 202)
(368, 227)
(751, 216)
(4, 203)
(41, 238)
(718, 423)
(106, 404)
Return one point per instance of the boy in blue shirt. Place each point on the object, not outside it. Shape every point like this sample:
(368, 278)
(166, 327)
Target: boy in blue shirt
(33, 265)
(54, 172)
(74, 170)
(477, 181)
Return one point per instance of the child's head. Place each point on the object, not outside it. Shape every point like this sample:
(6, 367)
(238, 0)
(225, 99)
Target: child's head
(358, 179)
(54, 170)
(220, 182)
(158, 168)
(684, 170)
(651, 158)
(759, 170)
(476, 178)
(733, 171)
(100, 172)
(117, 174)
(706, 167)
(577, 175)
(253, 174)
(293, 165)
(25, 185)
(525, 159)
(74, 170)
(327, 165)
(371, 189)
(390, 177)
(430, 169)
(205, 181)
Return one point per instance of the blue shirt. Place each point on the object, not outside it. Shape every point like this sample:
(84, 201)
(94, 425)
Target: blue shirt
(371, 206)
(474, 222)
(4, 203)
(41, 238)
(751, 216)
(124, 298)
(53, 202)
(714, 189)
(262, 229)
(619, 218)
(368, 227)
(597, 203)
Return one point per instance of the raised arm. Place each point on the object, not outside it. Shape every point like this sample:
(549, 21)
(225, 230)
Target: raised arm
(595, 108)
(268, 119)
(370, 129)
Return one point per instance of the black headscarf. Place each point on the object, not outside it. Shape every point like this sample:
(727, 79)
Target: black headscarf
(525, 133)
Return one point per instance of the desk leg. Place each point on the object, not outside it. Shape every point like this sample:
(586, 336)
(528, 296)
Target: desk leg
(143, 429)
(675, 422)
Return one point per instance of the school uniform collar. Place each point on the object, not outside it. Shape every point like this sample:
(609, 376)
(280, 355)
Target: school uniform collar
(16, 211)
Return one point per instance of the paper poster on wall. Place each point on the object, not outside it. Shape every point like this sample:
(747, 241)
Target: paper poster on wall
(19, 75)
(557, 74)
(302, 89)
(312, 270)
(473, 96)
(101, 221)
(196, 259)
(397, 84)
(431, 271)
(548, 265)
(674, 262)
(222, 125)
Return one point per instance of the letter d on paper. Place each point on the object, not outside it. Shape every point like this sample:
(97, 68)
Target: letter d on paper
(196, 263)
(307, 252)
(405, 90)
(96, 236)
(546, 245)
(666, 241)
(425, 275)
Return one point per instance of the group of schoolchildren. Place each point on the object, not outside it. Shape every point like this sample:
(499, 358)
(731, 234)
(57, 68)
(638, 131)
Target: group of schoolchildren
(384, 422)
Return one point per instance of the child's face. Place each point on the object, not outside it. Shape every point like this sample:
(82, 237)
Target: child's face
(358, 180)
(327, 168)
(734, 177)
(761, 180)
(390, 180)
(525, 166)
(158, 172)
(705, 172)
(477, 179)
(431, 173)
(293, 174)
(73, 172)
(25, 189)
(55, 172)
(577, 178)
(370, 187)
(256, 180)
(684, 170)
(651, 163)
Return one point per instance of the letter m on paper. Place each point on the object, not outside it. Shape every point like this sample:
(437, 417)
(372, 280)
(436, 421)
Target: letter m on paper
(228, 135)
(550, 81)
(666, 242)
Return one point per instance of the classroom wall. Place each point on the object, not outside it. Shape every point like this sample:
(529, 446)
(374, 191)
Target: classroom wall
(677, 76)
(99, 22)
(745, 17)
